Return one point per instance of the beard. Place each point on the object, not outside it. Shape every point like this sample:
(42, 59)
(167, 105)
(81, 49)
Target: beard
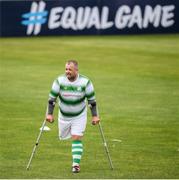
(71, 77)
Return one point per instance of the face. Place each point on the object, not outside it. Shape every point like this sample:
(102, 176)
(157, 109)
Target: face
(71, 71)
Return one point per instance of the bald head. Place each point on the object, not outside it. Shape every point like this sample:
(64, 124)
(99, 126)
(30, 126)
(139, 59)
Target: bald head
(71, 70)
(74, 62)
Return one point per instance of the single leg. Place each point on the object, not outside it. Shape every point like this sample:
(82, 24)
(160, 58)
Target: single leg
(77, 150)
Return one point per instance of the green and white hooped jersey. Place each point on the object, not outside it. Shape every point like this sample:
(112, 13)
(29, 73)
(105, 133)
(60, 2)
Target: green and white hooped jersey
(72, 95)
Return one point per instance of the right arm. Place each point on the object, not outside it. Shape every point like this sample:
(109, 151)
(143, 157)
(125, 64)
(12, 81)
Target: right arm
(51, 106)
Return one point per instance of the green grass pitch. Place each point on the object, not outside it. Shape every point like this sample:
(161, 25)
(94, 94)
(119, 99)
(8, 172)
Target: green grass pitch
(136, 79)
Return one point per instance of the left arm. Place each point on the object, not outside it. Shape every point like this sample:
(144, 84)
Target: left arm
(90, 94)
(93, 107)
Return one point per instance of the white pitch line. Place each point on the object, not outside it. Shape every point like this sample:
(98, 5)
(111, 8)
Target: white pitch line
(116, 140)
(46, 128)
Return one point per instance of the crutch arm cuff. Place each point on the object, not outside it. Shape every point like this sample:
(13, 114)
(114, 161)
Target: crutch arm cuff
(51, 105)
(93, 107)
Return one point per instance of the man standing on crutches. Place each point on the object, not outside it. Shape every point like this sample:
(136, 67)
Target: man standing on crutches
(72, 89)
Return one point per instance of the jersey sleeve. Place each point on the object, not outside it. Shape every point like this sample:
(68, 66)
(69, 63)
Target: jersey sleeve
(55, 89)
(89, 91)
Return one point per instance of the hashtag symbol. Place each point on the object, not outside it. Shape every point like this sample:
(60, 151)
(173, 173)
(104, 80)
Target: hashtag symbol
(35, 18)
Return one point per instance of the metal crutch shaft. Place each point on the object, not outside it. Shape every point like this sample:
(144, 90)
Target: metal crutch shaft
(106, 147)
(37, 142)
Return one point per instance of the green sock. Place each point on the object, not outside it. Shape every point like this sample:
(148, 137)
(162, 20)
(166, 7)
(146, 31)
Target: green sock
(77, 150)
